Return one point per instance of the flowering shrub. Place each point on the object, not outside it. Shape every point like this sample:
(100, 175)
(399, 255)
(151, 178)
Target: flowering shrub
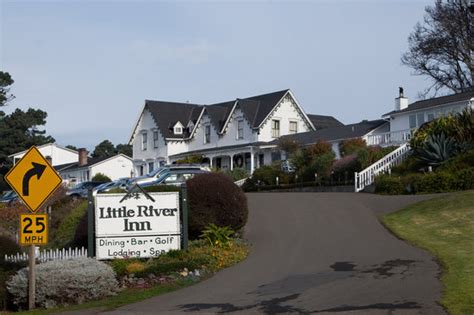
(65, 282)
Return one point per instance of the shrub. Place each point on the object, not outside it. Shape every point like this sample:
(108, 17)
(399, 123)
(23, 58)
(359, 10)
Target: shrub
(351, 146)
(191, 159)
(237, 174)
(319, 148)
(8, 247)
(214, 198)
(267, 175)
(65, 282)
(390, 185)
(135, 267)
(99, 177)
(217, 236)
(66, 231)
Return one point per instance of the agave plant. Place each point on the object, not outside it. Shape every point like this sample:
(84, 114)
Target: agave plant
(464, 128)
(436, 149)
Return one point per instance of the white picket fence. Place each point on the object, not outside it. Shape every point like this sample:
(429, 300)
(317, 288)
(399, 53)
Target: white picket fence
(49, 254)
(366, 177)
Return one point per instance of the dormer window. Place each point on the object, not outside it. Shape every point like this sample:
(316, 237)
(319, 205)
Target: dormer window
(178, 128)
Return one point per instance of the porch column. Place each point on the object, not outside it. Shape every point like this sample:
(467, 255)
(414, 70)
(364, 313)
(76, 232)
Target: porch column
(210, 161)
(231, 162)
(252, 162)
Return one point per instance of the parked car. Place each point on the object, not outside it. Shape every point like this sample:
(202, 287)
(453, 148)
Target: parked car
(9, 197)
(174, 177)
(105, 187)
(81, 190)
(287, 167)
(156, 174)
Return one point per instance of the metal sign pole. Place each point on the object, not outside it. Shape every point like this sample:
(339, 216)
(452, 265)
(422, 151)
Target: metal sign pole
(90, 224)
(31, 277)
(184, 205)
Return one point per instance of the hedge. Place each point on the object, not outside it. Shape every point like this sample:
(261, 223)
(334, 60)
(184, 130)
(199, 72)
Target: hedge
(418, 183)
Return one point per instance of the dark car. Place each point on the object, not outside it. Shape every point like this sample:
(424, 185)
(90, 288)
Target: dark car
(9, 197)
(81, 189)
(156, 174)
(116, 184)
(174, 177)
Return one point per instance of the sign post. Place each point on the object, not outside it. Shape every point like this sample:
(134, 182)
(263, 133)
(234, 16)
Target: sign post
(34, 180)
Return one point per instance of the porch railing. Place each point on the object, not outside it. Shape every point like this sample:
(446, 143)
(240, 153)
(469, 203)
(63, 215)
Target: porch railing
(367, 176)
(390, 138)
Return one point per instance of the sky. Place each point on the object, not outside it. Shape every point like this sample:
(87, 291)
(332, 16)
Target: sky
(91, 64)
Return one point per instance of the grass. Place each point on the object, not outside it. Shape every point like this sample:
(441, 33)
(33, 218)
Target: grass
(123, 298)
(445, 227)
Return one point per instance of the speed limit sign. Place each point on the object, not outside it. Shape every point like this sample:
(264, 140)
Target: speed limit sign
(33, 229)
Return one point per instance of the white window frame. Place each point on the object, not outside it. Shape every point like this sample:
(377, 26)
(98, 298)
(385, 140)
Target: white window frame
(144, 140)
(275, 131)
(207, 135)
(178, 130)
(240, 129)
(295, 123)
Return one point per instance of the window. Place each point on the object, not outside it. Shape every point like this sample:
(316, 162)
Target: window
(420, 119)
(155, 139)
(275, 128)
(412, 119)
(178, 130)
(240, 129)
(430, 116)
(293, 127)
(207, 134)
(150, 167)
(144, 141)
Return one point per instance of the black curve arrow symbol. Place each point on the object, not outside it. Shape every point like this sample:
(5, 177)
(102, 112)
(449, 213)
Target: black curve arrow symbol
(38, 170)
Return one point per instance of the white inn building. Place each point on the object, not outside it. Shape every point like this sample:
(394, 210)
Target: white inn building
(237, 133)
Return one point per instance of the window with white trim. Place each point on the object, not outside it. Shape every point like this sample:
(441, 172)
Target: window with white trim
(293, 127)
(144, 140)
(178, 130)
(275, 128)
(155, 139)
(240, 129)
(207, 134)
(412, 121)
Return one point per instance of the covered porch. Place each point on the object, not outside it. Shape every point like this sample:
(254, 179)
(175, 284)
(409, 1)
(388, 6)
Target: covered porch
(249, 157)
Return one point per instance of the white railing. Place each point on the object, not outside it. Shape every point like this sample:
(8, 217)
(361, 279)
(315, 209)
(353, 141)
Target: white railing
(49, 254)
(240, 182)
(366, 177)
(390, 138)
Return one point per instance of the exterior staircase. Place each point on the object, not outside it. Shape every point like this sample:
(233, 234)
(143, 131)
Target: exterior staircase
(366, 177)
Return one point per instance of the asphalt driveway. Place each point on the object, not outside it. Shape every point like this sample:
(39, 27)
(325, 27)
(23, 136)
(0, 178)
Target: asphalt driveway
(321, 253)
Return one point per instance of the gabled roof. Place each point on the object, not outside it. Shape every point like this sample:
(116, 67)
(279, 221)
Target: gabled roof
(436, 101)
(356, 130)
(90, 162)
(255, 109)
(167, 114)
(45, 145)
(323, 122)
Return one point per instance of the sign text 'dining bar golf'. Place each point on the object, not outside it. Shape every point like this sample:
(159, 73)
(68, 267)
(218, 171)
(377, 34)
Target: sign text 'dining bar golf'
(33, 179)
(136, 226)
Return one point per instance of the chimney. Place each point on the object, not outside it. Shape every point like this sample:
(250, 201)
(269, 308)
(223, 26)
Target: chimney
(401, 102)
(82, 156)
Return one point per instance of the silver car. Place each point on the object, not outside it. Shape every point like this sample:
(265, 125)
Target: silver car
(156, 174)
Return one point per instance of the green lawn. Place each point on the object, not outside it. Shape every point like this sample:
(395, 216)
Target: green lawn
(445, 227)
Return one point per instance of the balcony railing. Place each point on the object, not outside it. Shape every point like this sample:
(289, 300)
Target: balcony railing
(391, 138)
